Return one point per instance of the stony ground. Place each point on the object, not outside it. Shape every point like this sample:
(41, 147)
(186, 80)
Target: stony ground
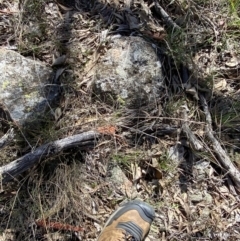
(151, 151)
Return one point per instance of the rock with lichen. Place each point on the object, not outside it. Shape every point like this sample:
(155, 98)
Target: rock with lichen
(129, 73)
(23, 86)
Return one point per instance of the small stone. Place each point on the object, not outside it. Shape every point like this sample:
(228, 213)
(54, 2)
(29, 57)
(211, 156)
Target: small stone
(121, 182)
(208, 198)
(196, 197)
(205, 212)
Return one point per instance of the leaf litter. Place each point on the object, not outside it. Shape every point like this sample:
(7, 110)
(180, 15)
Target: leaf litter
(193, 196)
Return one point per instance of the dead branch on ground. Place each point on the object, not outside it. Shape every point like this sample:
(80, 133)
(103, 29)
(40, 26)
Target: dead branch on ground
(165, 16)
(14, 168)
(195, 143)
(220, 152)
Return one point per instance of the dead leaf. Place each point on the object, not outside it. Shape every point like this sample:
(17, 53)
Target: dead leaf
(8, 234)
(136, 171)
(60, 60)
(108, 130)
(192, 91)
(155, 162)
(57, 113)
(158, 174)
(221, 85)
(232, 63)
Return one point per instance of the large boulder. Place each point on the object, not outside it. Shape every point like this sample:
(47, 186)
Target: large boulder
(129, 73)
(23, 86)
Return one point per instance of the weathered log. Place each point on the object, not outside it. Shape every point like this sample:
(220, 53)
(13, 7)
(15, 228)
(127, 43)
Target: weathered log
(25, 162)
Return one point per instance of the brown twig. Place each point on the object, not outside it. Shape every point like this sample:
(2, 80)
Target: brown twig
(58, 226)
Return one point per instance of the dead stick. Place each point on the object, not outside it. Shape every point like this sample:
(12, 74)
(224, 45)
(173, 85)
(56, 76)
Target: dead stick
(23, 163)
(195, 143)
(165, 16)
(220, 152)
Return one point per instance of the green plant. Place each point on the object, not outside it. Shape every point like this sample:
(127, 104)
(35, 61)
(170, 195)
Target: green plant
(227, 114)
(234, 7)
(123, 159)
(165, 163)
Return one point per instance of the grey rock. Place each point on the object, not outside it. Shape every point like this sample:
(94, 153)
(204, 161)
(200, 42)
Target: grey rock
(176, 153)
(129, 73)
(196, 197)
(120, 181)
(23, 85)
(208, 198)
(205, 212)
(202, 169)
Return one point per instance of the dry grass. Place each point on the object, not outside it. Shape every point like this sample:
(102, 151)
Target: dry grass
(192, 203)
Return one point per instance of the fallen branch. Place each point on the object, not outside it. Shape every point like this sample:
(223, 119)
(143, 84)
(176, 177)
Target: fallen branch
(220, 152)
(14, 168)
(195, 143)
(165, 16)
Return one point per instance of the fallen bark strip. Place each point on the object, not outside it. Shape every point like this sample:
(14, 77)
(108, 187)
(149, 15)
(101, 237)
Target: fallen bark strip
(23, 163)
(220, 152)
(8, 137)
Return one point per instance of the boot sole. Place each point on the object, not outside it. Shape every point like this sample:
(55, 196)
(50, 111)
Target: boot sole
(146, 212)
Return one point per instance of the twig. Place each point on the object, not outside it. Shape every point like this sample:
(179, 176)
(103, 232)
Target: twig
(220, 152)
(165, 16)
(58, 226)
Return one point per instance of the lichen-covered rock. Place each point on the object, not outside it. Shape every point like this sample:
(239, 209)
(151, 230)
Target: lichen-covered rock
(129, 73)
(22, 84)
(120, 181)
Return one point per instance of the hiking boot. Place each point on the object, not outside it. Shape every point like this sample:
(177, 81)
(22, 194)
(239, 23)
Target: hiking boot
(130, 221)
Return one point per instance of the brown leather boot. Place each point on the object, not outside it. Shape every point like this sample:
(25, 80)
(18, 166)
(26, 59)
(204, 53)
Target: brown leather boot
(130, 221)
